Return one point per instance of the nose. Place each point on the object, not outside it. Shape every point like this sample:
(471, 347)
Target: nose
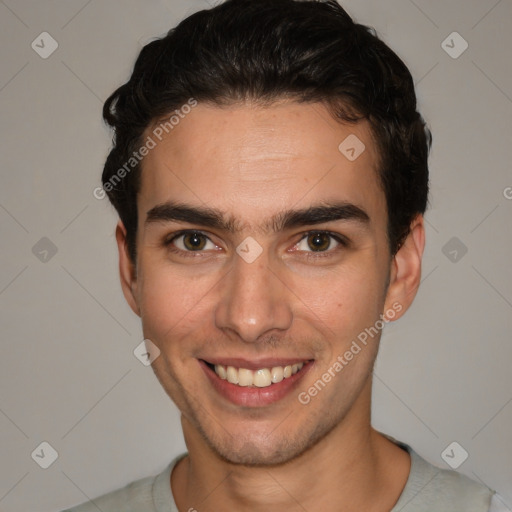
(254, 301)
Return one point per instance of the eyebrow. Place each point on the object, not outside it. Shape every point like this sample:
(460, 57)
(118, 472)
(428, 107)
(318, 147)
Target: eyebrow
(288, 219)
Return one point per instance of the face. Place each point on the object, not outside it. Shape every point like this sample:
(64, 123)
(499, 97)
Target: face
(262, 256)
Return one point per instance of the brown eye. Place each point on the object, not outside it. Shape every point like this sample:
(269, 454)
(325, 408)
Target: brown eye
(192, 244)
(319, 241)
(194, 241)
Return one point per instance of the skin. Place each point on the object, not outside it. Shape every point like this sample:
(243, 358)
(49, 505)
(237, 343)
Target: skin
(252, 162)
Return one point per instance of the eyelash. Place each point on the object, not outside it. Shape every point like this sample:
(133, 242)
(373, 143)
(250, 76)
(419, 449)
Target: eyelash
(322, 254)
(306, 254)
(186, 254)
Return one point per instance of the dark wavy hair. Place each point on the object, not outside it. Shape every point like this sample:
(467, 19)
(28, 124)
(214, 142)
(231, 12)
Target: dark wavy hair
(265, 51)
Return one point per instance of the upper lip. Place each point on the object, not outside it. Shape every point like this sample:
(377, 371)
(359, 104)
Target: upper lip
(239, 362)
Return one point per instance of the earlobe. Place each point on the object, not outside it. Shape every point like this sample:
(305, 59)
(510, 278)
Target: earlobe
(127, 269)
(405, 272)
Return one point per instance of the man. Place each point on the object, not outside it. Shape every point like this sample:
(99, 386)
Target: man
(270, 173)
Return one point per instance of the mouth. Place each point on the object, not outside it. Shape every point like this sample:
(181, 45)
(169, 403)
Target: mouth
(255, 384)
(260, 378)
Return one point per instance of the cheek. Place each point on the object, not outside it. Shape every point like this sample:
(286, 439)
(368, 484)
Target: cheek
(346, 299)
(171, 303)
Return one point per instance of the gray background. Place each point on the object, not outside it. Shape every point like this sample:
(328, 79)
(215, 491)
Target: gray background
(68, 375)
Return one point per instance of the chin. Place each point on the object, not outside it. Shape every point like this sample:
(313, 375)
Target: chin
(251, 454)
(268, 449)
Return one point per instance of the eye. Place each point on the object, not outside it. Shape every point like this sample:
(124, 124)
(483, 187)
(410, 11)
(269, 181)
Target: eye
(192, 241)
(318, 241)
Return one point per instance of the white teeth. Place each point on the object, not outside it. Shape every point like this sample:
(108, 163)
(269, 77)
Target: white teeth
(245, 377)
(261, 378)
(297, 367)
(221, 371)
(277, 374)
(232, 375)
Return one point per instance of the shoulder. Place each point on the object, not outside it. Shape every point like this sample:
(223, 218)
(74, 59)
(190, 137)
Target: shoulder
(449, 491)
(143, 495)
(136, 494)
(497, 504)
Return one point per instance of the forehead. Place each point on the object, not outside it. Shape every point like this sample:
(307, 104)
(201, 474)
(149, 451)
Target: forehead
(249, 160)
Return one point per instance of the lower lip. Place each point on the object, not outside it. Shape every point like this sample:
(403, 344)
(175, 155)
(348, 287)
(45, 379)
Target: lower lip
(254, 396)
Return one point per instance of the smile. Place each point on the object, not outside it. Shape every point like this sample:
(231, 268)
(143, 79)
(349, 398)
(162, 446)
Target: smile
(261, 378)
(255, 383)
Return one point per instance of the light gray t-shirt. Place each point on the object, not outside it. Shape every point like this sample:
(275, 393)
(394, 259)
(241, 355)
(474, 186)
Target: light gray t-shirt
(428, 489)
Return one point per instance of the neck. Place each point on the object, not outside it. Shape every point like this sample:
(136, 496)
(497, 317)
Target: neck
(352, 468)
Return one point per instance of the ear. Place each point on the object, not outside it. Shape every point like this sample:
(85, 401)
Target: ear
(127, 270)
(405, 272)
